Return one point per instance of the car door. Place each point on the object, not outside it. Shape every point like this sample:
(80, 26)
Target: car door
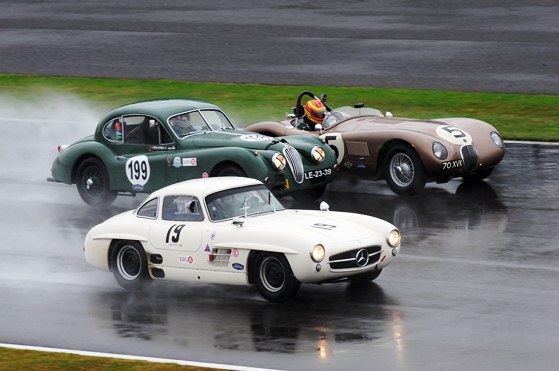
(177, 234)
(143, 148)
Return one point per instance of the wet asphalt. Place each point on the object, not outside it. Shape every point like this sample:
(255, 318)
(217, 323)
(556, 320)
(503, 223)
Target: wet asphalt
(475, 284)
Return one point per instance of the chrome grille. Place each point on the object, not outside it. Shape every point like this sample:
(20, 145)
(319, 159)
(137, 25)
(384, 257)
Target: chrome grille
(470, 157)
(295, 163)
(348, 259)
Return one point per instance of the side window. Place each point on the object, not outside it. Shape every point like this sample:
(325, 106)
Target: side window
(141, 130)
(182, 208)
(149, 209)
(113, 130)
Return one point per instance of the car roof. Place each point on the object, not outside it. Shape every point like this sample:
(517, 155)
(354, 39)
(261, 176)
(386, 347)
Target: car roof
(201, 187)
(162, 108)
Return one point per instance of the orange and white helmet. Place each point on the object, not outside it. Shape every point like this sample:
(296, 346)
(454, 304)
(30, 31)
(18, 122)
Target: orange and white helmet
(315, 111)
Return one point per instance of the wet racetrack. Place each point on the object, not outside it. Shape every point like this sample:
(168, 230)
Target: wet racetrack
(473, 288)
(475, 285)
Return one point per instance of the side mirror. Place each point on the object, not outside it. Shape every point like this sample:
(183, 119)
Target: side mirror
(388, 114)
(318, 127)
(324, 206)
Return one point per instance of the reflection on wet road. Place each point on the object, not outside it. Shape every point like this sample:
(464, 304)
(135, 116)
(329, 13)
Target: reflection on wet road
(476, 276)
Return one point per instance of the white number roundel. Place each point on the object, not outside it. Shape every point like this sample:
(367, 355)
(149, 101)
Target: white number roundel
(137, 170)
(454, 135)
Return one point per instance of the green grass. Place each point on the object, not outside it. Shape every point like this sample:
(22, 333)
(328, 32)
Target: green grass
(15, 359)
(516, 116)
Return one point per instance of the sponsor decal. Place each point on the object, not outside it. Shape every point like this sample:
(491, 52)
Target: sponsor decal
(186, 259)
(137, 170)
(254, 137)
(361, 166)
(207, 249)
(453, 135)
(348, 164)
(238, 266)
(205, 175)
(160, 148)
(138, 187)
(212, 237)
(191, 161)
(177, 162)
(235, 252)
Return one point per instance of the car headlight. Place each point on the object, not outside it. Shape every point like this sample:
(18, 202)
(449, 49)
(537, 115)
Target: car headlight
(318, 154)
(278, 160)
(439, 151)
(318, 253)
(394, 238)
(497, 139)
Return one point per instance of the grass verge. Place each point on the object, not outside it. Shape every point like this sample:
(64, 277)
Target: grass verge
(16, 359)
(516, 116)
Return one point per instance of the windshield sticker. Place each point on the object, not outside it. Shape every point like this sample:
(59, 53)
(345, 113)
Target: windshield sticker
(254, 137)
(138, 171)
(454, 135)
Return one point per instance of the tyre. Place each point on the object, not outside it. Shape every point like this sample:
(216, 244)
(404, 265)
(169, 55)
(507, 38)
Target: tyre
(404, 171)
(364, 278)
(129, 266)
(478, 176)
(93, 183)
(274, 278)
(229, 170)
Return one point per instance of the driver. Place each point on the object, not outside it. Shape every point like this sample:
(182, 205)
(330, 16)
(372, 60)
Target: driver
(315, 111)
(181, 124)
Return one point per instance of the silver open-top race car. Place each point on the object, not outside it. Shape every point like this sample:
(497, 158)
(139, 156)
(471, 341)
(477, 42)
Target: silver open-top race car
(232, 230)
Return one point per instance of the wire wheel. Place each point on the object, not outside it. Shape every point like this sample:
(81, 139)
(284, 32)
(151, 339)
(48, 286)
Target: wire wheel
(402, 170)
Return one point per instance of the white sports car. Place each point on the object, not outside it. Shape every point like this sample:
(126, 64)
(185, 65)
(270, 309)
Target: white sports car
(232, 230)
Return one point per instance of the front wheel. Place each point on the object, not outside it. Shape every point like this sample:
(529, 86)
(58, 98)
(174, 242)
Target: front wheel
(93, 183)
(274, 278)
(129, 266)
(364, 278)
(404, 171)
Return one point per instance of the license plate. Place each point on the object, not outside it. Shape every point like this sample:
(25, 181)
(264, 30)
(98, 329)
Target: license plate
(317, 173)
(455, 164)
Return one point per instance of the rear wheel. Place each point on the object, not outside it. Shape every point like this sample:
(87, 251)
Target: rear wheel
(93, 183)
(274, 278)
(129, 266)
(404, 171)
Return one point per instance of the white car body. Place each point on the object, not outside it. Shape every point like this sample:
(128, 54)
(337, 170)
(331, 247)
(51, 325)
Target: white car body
(225, 249)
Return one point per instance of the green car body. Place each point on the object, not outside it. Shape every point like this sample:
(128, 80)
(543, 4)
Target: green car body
(141, 147)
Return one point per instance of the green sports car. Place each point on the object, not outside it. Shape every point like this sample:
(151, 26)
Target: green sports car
(141, 147)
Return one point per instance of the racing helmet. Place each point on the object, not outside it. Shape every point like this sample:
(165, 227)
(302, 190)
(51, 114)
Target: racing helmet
(315, 111)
